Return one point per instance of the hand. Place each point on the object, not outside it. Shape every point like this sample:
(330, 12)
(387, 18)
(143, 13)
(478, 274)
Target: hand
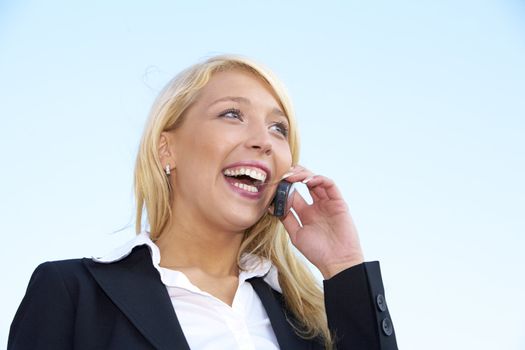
(327, 237)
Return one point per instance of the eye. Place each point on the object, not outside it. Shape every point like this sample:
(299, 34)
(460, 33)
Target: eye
(281, 128)
(232, 113)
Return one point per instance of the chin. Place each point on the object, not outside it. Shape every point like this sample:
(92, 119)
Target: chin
(243, 219)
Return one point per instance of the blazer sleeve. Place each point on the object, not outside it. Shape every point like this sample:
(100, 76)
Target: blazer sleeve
(44, 319)
(356, 309)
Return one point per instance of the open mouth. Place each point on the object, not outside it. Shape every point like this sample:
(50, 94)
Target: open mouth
(249, 179)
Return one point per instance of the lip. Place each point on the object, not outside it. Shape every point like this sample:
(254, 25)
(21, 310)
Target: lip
(252, 164)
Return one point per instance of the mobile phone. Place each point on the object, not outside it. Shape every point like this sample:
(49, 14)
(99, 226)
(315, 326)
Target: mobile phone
(280, 201)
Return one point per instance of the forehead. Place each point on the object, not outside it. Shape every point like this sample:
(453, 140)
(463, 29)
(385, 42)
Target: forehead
(240, 83)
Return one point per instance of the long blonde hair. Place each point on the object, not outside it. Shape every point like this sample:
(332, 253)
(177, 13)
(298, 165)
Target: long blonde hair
(267, 238)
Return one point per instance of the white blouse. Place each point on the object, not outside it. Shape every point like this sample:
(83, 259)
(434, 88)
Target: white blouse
(207, 322)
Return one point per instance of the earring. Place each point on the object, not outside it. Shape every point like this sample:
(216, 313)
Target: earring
(167, 170)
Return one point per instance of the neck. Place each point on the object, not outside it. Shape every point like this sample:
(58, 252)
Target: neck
(184, 244)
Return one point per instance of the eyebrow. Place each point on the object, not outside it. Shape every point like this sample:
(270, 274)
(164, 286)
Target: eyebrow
(244, 100)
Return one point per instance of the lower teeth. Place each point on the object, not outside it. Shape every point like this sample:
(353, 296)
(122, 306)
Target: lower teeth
(246, 187)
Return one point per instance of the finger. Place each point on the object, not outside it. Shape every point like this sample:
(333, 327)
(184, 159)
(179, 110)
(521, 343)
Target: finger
(270, 209)
(314, 196)
(298, 203)
(316, 191)
(298, 174)
(324, 187)
(291, 225)
(304, 177)
(320, 187)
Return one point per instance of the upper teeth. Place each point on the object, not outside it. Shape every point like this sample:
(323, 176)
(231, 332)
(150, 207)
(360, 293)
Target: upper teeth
(254, 174)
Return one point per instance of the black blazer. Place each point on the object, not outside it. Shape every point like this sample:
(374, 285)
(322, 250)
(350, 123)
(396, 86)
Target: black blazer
(81, 304)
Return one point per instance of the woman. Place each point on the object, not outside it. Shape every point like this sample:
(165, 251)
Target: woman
(215, 269)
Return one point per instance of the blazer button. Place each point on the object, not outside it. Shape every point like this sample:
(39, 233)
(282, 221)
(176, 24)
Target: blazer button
(387, 326)
(381, 302)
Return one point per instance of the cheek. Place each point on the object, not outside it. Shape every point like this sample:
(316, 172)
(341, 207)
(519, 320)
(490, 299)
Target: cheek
(283, 157)
(195, 153)
(208, 151)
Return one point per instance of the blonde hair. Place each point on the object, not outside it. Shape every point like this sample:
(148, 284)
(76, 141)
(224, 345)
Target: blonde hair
(267, 238)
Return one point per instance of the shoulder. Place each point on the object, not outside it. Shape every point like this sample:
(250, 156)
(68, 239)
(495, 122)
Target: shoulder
(64, 269)
(74, 271)
(50, 293)
(59, 266)
(65, 282)
(51, 276)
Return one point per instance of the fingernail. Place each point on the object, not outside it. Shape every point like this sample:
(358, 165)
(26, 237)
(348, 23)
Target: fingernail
(290, 173)
(305, 181)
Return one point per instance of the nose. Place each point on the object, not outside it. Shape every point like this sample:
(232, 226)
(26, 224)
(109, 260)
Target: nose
(259, 139)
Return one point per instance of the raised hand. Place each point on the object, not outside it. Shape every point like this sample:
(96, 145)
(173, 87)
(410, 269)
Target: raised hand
(326, 236)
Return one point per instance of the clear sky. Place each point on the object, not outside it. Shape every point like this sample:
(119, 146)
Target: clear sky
(415, 108)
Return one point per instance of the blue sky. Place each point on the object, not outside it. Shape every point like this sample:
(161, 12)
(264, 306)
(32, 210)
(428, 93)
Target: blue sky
(415, 108)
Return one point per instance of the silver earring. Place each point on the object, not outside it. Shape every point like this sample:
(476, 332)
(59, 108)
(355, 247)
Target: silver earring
(168, 170)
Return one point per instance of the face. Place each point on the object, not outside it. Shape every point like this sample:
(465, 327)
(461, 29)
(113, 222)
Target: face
(232, 143)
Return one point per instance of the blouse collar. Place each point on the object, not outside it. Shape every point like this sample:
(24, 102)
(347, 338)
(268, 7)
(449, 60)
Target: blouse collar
(251, 265)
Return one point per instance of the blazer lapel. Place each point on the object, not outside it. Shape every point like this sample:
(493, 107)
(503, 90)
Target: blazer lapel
(274, 306)
(135, 287)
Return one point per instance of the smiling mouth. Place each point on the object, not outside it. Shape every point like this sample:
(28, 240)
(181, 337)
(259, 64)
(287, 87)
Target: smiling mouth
(247, 179)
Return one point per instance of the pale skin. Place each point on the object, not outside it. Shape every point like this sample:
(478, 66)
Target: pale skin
(209, 218)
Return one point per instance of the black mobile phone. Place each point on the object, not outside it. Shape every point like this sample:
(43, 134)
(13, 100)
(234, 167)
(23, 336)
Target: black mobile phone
(281, 198)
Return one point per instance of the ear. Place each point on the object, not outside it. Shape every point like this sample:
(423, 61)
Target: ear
(166, 155)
